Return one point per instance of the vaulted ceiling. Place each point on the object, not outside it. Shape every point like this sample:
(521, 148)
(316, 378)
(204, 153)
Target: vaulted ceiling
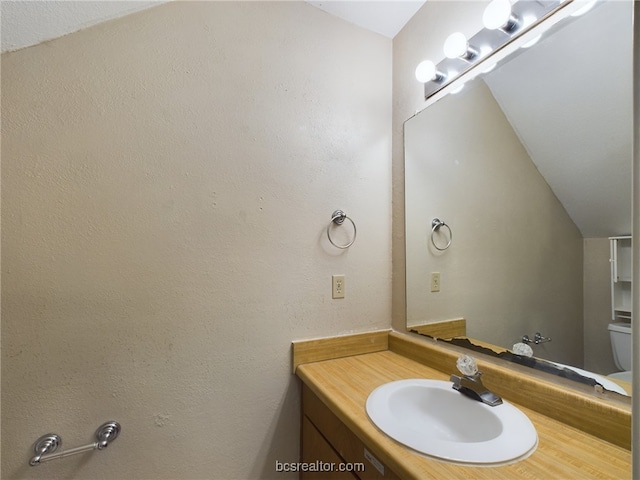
(26, 23)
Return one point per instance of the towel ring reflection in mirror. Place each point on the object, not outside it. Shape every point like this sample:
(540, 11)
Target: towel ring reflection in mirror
(338, 217)
(436, 223)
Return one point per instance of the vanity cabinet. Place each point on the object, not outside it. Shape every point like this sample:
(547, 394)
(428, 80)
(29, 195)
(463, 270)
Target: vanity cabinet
(328, 444)
(621, 273)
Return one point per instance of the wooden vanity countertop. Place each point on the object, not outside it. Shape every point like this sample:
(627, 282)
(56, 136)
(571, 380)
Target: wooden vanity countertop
(563, 452)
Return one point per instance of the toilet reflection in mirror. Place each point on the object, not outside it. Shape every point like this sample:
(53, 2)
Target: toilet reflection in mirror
(621, 345)
(531, 166)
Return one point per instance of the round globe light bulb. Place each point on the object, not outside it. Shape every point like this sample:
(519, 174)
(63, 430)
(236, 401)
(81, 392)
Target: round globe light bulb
(425, 71)
(455, 45)
(497, 14)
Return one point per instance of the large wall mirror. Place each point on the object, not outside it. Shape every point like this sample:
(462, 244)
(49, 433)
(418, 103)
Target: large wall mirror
(530, 167)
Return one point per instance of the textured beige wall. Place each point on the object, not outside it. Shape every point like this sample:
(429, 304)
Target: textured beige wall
(598, 356)
(167, 181)
(531, 254)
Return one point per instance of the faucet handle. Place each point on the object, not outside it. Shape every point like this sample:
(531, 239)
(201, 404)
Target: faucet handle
(467, 365)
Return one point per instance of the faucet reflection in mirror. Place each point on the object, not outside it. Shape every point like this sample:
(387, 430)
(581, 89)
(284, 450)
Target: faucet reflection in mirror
(503, 24)
(538, 338)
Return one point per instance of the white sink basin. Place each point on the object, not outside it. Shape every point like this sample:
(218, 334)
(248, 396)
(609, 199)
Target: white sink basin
(431, 417)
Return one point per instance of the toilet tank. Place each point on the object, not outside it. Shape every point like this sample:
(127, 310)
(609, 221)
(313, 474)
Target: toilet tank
(620, 333)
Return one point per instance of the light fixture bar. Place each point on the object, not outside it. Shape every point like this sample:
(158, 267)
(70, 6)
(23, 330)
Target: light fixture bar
(488, 42)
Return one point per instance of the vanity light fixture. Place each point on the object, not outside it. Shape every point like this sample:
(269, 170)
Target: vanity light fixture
(507, 26)
(426, 71)
(499, 16)
(457, 46)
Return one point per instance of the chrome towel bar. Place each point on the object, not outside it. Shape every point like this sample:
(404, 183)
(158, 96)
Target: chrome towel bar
(46, 446)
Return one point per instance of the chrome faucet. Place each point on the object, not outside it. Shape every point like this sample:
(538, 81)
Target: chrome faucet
(470, 383)
(538, 338)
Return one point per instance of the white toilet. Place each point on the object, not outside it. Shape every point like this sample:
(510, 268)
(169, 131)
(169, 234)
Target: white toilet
(620, 333)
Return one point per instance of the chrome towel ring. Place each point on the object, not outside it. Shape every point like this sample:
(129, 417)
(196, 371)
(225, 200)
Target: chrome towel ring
(338, 217)
(436, 223)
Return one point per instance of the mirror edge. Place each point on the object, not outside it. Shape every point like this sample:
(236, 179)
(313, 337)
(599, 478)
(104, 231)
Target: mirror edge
(635, 320)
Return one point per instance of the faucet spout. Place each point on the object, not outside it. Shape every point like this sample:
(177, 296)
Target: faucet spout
(471, 386)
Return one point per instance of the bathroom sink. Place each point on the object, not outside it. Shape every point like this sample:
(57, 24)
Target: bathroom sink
(432, 418)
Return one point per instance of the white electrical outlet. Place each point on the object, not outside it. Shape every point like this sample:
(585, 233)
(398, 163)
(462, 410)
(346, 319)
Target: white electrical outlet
(337, 289)
(435, 281)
